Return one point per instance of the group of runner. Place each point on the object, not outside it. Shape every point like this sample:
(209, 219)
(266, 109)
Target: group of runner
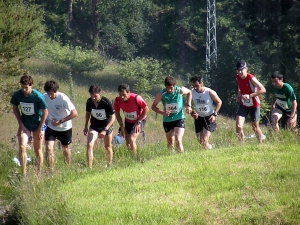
(48, 116)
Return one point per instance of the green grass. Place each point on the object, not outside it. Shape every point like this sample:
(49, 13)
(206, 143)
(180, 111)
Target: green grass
(230, 184)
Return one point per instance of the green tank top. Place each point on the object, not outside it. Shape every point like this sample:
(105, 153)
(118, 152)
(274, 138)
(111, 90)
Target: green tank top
(172, 102)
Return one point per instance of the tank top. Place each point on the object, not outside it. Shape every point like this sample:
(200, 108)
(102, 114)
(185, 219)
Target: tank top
(246, 87)
(172, 102)
(203, 102)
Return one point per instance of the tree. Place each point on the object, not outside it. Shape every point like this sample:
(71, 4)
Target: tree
(20, 31)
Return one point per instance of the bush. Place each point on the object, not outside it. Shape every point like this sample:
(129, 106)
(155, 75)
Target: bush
(146, 72)
(78, 59)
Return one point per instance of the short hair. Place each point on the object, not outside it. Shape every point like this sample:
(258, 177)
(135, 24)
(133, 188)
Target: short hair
(26, 80)
(170, 81)
(94, 89)
(277, 74)
(196, 78)
(123, 87)
(51, 86)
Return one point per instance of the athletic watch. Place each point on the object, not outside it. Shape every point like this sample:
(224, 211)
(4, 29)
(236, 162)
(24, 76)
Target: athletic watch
(61, 121)
(215, 114)
(139, 122)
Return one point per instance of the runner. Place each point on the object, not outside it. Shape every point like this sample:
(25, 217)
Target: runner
(100, 112)
(249, 89)
(31, 118)
(284, 103)
(135, 111)
(205, 115)
(59, 122)
(173, 115)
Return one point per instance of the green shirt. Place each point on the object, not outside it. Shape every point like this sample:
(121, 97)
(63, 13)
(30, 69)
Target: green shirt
(284, 97)
(172, 102)
(30, 107)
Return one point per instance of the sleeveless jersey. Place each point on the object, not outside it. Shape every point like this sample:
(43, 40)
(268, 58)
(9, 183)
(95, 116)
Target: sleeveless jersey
(246, 87)
(172, 102)
(203, 102)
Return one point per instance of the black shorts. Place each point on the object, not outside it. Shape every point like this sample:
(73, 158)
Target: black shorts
(129, 126)
(100, 129)
(171, 125)
(203, 122)
(253, 111)
(285, 118)
(65, 137)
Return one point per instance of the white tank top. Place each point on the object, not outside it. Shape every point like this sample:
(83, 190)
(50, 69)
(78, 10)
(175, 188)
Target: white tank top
(203, 102)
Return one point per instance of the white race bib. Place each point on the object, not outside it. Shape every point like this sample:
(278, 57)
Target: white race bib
(130, 115)
(247, 102)
(202, 109)
(282, 104)
(27, 108)
(99, 114)
(172, 107)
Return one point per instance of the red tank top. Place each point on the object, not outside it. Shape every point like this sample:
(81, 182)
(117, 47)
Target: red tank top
(246, 87)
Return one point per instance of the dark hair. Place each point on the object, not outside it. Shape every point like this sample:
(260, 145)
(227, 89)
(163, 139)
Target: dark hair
(277, 74)
(26, 80)
(123, 87)
(94, 89)
(195, 79)
(51, 86)
(170, 81)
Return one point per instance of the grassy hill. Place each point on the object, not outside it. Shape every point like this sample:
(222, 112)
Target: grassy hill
(230, 184)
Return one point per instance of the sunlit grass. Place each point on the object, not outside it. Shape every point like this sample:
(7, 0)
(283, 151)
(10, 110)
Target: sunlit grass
(230, 184)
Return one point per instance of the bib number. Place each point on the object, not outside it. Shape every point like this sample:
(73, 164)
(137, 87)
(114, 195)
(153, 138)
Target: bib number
(247, 102)
(202, 109)
(282, 104)
(27, 108)
(99, 114)
(172, 107)
(130, 115)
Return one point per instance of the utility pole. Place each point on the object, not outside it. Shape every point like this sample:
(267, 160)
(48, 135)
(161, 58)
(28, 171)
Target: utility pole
(211, 38)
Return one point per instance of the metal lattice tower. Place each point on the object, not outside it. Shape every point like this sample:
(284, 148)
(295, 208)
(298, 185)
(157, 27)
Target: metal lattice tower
(211, 38)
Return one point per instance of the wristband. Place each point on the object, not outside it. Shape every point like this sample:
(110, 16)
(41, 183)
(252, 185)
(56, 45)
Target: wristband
(139, 122)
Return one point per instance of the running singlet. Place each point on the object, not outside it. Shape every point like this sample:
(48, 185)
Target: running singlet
(203, 102)
(172, 102)
(284, 97)
(246, 87)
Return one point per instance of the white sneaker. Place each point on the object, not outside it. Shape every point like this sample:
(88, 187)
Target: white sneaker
(209, 146)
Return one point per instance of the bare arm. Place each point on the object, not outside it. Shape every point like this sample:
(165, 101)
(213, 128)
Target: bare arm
(155, 103)
(260, 88)
(119, 119)
(188, 92)
(43, 118)
(111, 121)
(71, 116)
(17, 114)
(144, 113)
(214, 96)
(294, 108)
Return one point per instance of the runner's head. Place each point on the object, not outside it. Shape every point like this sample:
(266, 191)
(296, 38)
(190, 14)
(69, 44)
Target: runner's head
(170, 83)
(26, 83)
(277, 79)
(124, 91)
(51, 87)
(241, 68)
(197, 83)
(95, 91)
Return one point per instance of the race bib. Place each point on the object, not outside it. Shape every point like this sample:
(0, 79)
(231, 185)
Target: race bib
(99, 114)
(27, 108)
(203, 109)
(172, 107)
(282, 104)
(247, 102)
(130, 115)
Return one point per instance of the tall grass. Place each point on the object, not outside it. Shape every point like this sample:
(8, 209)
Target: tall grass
(230, 184)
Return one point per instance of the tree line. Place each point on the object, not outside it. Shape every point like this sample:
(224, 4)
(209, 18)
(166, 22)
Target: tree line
(265, 33)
